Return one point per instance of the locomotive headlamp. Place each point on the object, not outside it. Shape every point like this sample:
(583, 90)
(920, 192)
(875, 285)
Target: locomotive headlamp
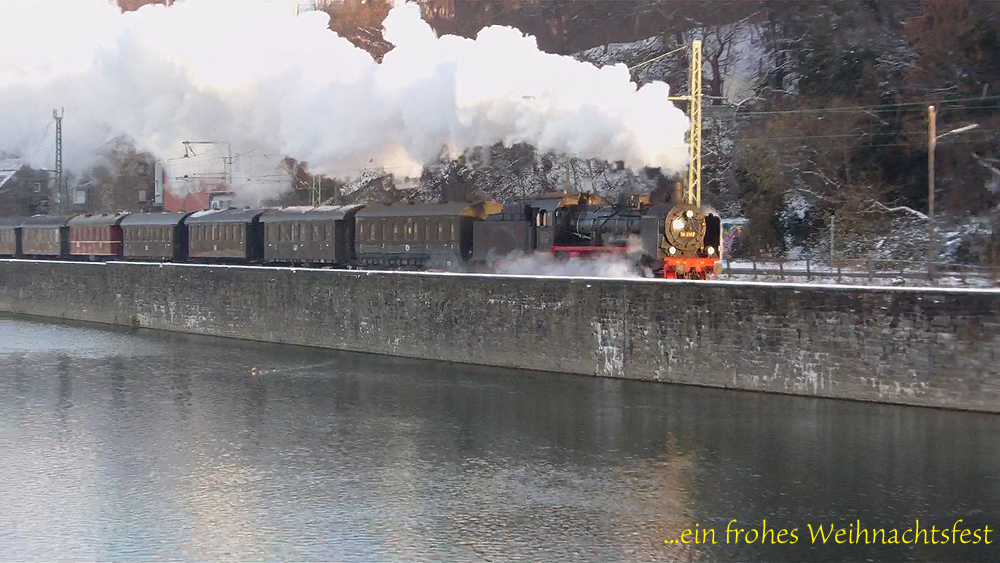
(672, 250)
(689, 214)
(711, 251)
(678, 224)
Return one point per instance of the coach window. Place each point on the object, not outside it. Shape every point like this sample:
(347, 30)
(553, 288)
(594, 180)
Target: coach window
(318, 233)
(453, 230)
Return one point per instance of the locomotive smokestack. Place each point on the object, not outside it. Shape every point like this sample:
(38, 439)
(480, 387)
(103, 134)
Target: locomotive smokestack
(677, 192)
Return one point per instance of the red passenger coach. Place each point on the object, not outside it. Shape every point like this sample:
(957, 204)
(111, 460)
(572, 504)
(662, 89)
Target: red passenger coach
(96, 235)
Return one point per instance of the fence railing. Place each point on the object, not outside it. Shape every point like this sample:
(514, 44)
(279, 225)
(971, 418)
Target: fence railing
(860, 270)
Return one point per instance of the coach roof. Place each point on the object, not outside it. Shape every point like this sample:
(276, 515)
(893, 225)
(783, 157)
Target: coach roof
(103, 220)
(154, 219)
(321, 213)
(430, 210)
(224, 216)
(45, 221)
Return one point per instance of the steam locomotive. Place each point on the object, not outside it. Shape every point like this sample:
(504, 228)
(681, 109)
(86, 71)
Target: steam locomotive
(669, 240)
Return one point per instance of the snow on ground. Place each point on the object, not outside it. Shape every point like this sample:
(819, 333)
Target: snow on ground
(896, 281)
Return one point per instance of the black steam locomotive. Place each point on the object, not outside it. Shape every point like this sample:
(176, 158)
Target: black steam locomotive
(669, 240)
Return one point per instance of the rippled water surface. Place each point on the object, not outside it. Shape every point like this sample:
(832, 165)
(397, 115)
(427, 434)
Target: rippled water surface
(125, 445)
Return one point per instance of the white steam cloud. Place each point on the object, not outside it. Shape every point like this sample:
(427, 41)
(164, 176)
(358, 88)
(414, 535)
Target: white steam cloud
(251, 73)
(548, 265)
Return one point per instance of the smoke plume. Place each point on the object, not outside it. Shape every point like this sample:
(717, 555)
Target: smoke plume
(251, 73)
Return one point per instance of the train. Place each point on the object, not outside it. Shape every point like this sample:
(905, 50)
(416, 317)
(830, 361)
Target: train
(672, 240)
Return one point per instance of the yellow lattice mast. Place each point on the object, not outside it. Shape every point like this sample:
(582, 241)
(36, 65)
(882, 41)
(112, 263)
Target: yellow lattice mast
(693, 99)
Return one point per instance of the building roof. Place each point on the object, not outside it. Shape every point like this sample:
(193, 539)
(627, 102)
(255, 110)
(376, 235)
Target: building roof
(150, 219)
(224, 216)
(11, 221)
(321, 213)
(102, 220)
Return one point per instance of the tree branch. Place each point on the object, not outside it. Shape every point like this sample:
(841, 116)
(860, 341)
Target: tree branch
(883, 207)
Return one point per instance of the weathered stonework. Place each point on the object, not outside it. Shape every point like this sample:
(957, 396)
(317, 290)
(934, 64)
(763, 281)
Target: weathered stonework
(910, 346)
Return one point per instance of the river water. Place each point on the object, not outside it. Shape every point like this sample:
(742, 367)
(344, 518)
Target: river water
(139, 445)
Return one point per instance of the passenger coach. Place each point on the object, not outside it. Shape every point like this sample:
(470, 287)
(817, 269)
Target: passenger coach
(428, 235)
(228, 234)
(96, 236)
(155, 236)
(10, 236)
(310, 235)
(44, 236)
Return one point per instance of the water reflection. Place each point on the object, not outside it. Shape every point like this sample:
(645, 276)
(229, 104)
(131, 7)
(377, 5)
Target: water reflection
(125, 445)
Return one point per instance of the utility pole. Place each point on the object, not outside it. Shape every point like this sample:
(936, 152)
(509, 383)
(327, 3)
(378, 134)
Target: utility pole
(693, 99)
(58, 116)
(932, 139)
(316, 193)
(833, 232)
(931, 144)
